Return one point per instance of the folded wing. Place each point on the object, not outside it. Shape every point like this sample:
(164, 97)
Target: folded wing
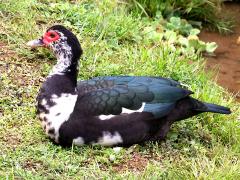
(109, 95)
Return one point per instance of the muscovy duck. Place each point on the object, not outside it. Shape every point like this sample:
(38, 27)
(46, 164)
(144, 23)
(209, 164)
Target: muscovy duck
(109, 110)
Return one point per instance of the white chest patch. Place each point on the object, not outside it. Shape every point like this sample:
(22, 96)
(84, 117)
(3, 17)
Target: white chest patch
(124, 111)
(106, 117)
(109, 139)
(78, 141)
(58, 113)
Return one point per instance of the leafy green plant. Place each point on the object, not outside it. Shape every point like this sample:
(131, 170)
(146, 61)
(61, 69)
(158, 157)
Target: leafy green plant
(181, 26)
(196, 11)
(178, 33)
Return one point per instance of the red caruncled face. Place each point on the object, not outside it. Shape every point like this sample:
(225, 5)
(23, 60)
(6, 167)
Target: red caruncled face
(50, 36)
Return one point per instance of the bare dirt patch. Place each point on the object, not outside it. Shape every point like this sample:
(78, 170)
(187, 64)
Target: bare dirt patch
(137, 163)
(5, 51)
(227, 55)
(33, 165)
(12, 140)
(18, 69)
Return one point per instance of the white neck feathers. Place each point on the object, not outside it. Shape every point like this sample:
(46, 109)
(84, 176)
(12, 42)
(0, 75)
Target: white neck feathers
(64, 56)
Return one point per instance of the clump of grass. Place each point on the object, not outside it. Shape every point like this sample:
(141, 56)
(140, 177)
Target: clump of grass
(114, 43)
(208, 12)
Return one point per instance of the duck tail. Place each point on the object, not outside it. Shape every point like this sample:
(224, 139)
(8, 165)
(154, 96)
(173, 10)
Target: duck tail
(208, 107)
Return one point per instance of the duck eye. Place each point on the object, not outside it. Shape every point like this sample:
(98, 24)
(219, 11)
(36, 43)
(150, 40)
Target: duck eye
(52, 35)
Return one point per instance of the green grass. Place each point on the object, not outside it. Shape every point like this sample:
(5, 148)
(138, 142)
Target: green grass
(203, 147)
(208, 11)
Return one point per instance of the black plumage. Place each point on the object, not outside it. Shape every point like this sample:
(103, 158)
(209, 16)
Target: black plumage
(109, 110)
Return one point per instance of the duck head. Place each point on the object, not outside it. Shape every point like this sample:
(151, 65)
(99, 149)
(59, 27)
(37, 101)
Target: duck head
(65, 46)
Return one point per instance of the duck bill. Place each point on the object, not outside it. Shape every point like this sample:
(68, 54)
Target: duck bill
(36, 43)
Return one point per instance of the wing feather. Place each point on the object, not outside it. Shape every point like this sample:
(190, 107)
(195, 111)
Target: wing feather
(108, 95)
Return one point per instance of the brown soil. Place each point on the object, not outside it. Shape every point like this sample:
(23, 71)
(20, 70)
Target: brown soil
(33, 165)
(21, 71)
(137, 163)
(227, 55)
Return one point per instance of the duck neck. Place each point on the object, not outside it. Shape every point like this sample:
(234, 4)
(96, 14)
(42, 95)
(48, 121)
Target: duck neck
(67, 65)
